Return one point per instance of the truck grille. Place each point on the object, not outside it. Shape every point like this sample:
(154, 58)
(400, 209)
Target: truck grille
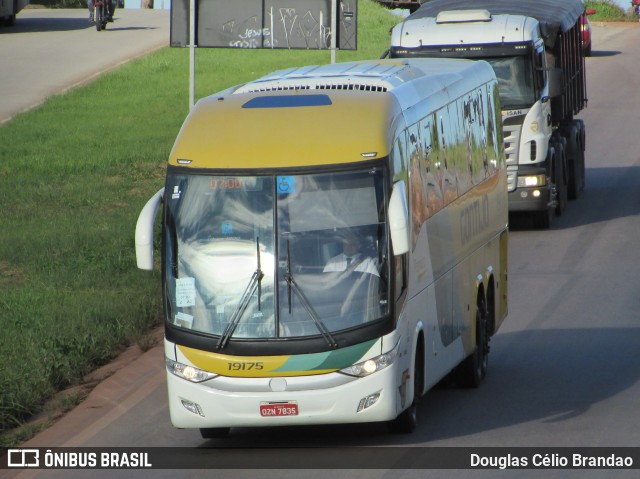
(511, 146)
(511, 143)
(512, 178)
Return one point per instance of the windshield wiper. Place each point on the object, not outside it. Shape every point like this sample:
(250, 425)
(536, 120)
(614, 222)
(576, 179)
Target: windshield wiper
(305, 302)
(255, 283)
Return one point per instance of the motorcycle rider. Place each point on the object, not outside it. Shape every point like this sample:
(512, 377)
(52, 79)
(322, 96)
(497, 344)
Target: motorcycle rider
(111, 8)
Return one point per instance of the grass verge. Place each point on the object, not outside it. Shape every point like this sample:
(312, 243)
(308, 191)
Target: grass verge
(609, 11)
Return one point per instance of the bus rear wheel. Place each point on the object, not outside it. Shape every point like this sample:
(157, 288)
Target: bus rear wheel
(474, 368)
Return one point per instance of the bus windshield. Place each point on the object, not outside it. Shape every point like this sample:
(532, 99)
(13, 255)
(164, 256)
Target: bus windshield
(269, 257)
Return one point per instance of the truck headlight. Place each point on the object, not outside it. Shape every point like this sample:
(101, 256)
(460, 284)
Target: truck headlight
(370, 366)
(187, 372)
(533, 180)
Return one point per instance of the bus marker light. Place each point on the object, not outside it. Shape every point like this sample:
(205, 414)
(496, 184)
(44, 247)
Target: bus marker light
(192, 407)
(369, 401)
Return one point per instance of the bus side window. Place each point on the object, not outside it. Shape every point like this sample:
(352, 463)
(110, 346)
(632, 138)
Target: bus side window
(495, 120)
(454, 130)
(481, 169)
(417, 198)
(432, 165)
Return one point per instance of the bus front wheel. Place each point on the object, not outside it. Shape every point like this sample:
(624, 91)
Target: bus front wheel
(407, 421)
(474, 368)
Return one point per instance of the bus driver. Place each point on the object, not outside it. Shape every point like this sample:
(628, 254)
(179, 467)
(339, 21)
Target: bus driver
(352, 258)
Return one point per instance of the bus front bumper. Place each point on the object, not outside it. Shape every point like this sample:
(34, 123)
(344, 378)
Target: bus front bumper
(194, 405)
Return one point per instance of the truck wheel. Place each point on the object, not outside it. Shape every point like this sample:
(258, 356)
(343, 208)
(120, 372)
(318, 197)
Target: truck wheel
(581, 168)
(560, 177)
(581, 150)
(542, 219)
(11, 21)
(572, 152)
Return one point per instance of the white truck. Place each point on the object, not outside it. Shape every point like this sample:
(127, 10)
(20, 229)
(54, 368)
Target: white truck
(9, 9)
(536, 52)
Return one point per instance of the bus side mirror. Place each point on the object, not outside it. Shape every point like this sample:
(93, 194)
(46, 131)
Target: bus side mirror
(144, 231)
(399, 219)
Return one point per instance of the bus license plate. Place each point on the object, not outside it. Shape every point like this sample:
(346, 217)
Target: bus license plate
(277, 409)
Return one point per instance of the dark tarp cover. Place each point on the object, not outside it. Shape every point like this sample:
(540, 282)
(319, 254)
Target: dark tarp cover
(552, 14)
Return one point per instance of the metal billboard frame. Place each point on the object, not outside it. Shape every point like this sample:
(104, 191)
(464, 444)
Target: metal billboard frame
(262, 24)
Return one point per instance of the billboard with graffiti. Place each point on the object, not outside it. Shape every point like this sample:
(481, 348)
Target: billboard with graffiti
(283, 24)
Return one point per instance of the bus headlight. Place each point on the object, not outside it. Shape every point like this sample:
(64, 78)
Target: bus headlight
(370, 366)
(187, 372)
(533, 180)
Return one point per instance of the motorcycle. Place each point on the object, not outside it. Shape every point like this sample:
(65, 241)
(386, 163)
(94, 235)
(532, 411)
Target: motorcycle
(101, 13)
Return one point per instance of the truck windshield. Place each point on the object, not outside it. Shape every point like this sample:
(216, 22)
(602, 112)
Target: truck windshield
(270, 257)
(515, 81)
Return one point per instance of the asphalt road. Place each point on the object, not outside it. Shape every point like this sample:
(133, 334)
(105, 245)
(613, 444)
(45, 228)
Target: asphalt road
(564, 368)
(51, 50)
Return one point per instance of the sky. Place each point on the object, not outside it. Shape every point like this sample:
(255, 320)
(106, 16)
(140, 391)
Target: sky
(625, 4)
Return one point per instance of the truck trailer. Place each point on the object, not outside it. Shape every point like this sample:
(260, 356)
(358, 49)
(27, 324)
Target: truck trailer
(536, 52)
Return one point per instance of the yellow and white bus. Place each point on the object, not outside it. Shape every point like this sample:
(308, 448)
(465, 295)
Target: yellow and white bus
(334, 243)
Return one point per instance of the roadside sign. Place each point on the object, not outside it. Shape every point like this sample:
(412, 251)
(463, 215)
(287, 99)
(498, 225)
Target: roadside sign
(265, 24)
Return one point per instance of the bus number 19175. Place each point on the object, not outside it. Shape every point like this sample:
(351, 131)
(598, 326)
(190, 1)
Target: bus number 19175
(244, 366)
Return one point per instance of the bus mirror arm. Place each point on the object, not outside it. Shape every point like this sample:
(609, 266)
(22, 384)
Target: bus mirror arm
(399, 219)
(144, 231)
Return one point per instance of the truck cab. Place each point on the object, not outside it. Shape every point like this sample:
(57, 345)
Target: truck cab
(513, 46)
(543, 144)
